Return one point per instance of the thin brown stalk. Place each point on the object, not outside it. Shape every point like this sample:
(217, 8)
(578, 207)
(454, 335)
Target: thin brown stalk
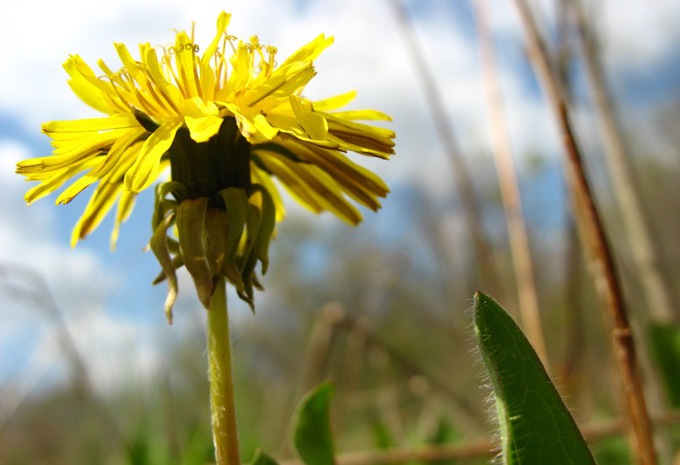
(469, 450)
(507, 178)
(642, 247)
(641, 244)
(590, 223)
(319, 346)
(442, 124)
(474, 449)
(353, 360)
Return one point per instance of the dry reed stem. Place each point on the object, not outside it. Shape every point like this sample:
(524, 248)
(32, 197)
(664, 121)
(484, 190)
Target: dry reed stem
(642, 247)
(476, 448)
(319, 346)
(442, 124)
(598, 248)
(507, 178)
(640, 241)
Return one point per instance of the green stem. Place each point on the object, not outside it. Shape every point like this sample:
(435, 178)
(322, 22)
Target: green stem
(221, 380)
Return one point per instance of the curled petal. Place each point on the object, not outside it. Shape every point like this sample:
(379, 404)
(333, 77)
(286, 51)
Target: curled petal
(145, 169)
(159, 246)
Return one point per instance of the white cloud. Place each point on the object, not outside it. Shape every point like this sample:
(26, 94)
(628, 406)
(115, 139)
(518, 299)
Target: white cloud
(25, 232)
(38, 272)
(639, 34)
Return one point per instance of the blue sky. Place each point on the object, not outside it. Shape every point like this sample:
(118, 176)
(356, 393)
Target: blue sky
(107, 299)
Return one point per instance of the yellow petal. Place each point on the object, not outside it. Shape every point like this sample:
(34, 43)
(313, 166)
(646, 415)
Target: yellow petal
(311, 50)
(91, 124)
(103, 198)
(314, 124)
(125, 205)
(76, 188)
(272, 85)
(335, 102)
(147, 166)
(328, 193)
(122, 154)
(263, 127)
(185, 59)
(262, 177)
(242, 68)
(222, 23)
(350, 115)
(204, 127)
(151, 61)
(358, 182)
(88, 87)
(291, 182)
(201, 118)
(253, 126)
(312, 187)
(51, 183)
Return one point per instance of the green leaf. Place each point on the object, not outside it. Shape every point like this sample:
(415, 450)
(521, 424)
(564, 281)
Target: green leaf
(312, 434)
(382, 438)
(535, 425)
(665, 341)
(263, 459)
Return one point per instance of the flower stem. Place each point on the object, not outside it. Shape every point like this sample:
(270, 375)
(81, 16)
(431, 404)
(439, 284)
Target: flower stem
(222, 406)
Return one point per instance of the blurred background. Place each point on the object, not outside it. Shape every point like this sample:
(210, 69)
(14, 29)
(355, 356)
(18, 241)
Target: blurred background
(90, 372)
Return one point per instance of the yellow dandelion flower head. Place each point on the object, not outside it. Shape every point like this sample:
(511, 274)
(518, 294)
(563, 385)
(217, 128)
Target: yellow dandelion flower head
(177, 103)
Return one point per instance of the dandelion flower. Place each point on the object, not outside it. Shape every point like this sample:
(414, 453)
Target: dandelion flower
(231, 125)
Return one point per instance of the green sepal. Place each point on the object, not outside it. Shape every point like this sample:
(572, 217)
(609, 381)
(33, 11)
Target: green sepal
(248, 256)
(193, 245)
(266, 229)
(216, 228)
(263, 459)
(177, 263)
(146, 121)
(253, 220)
(162, 205)
(236, 203)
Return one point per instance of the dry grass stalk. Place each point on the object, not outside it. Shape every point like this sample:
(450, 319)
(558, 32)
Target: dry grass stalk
(592, 231)
(461, 175)
(507, 178)
(641, 244)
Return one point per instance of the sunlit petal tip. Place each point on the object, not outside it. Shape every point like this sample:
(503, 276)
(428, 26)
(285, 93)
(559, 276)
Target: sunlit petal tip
(75, 237)
(335, 102)
(203, 128)
(47, 127)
